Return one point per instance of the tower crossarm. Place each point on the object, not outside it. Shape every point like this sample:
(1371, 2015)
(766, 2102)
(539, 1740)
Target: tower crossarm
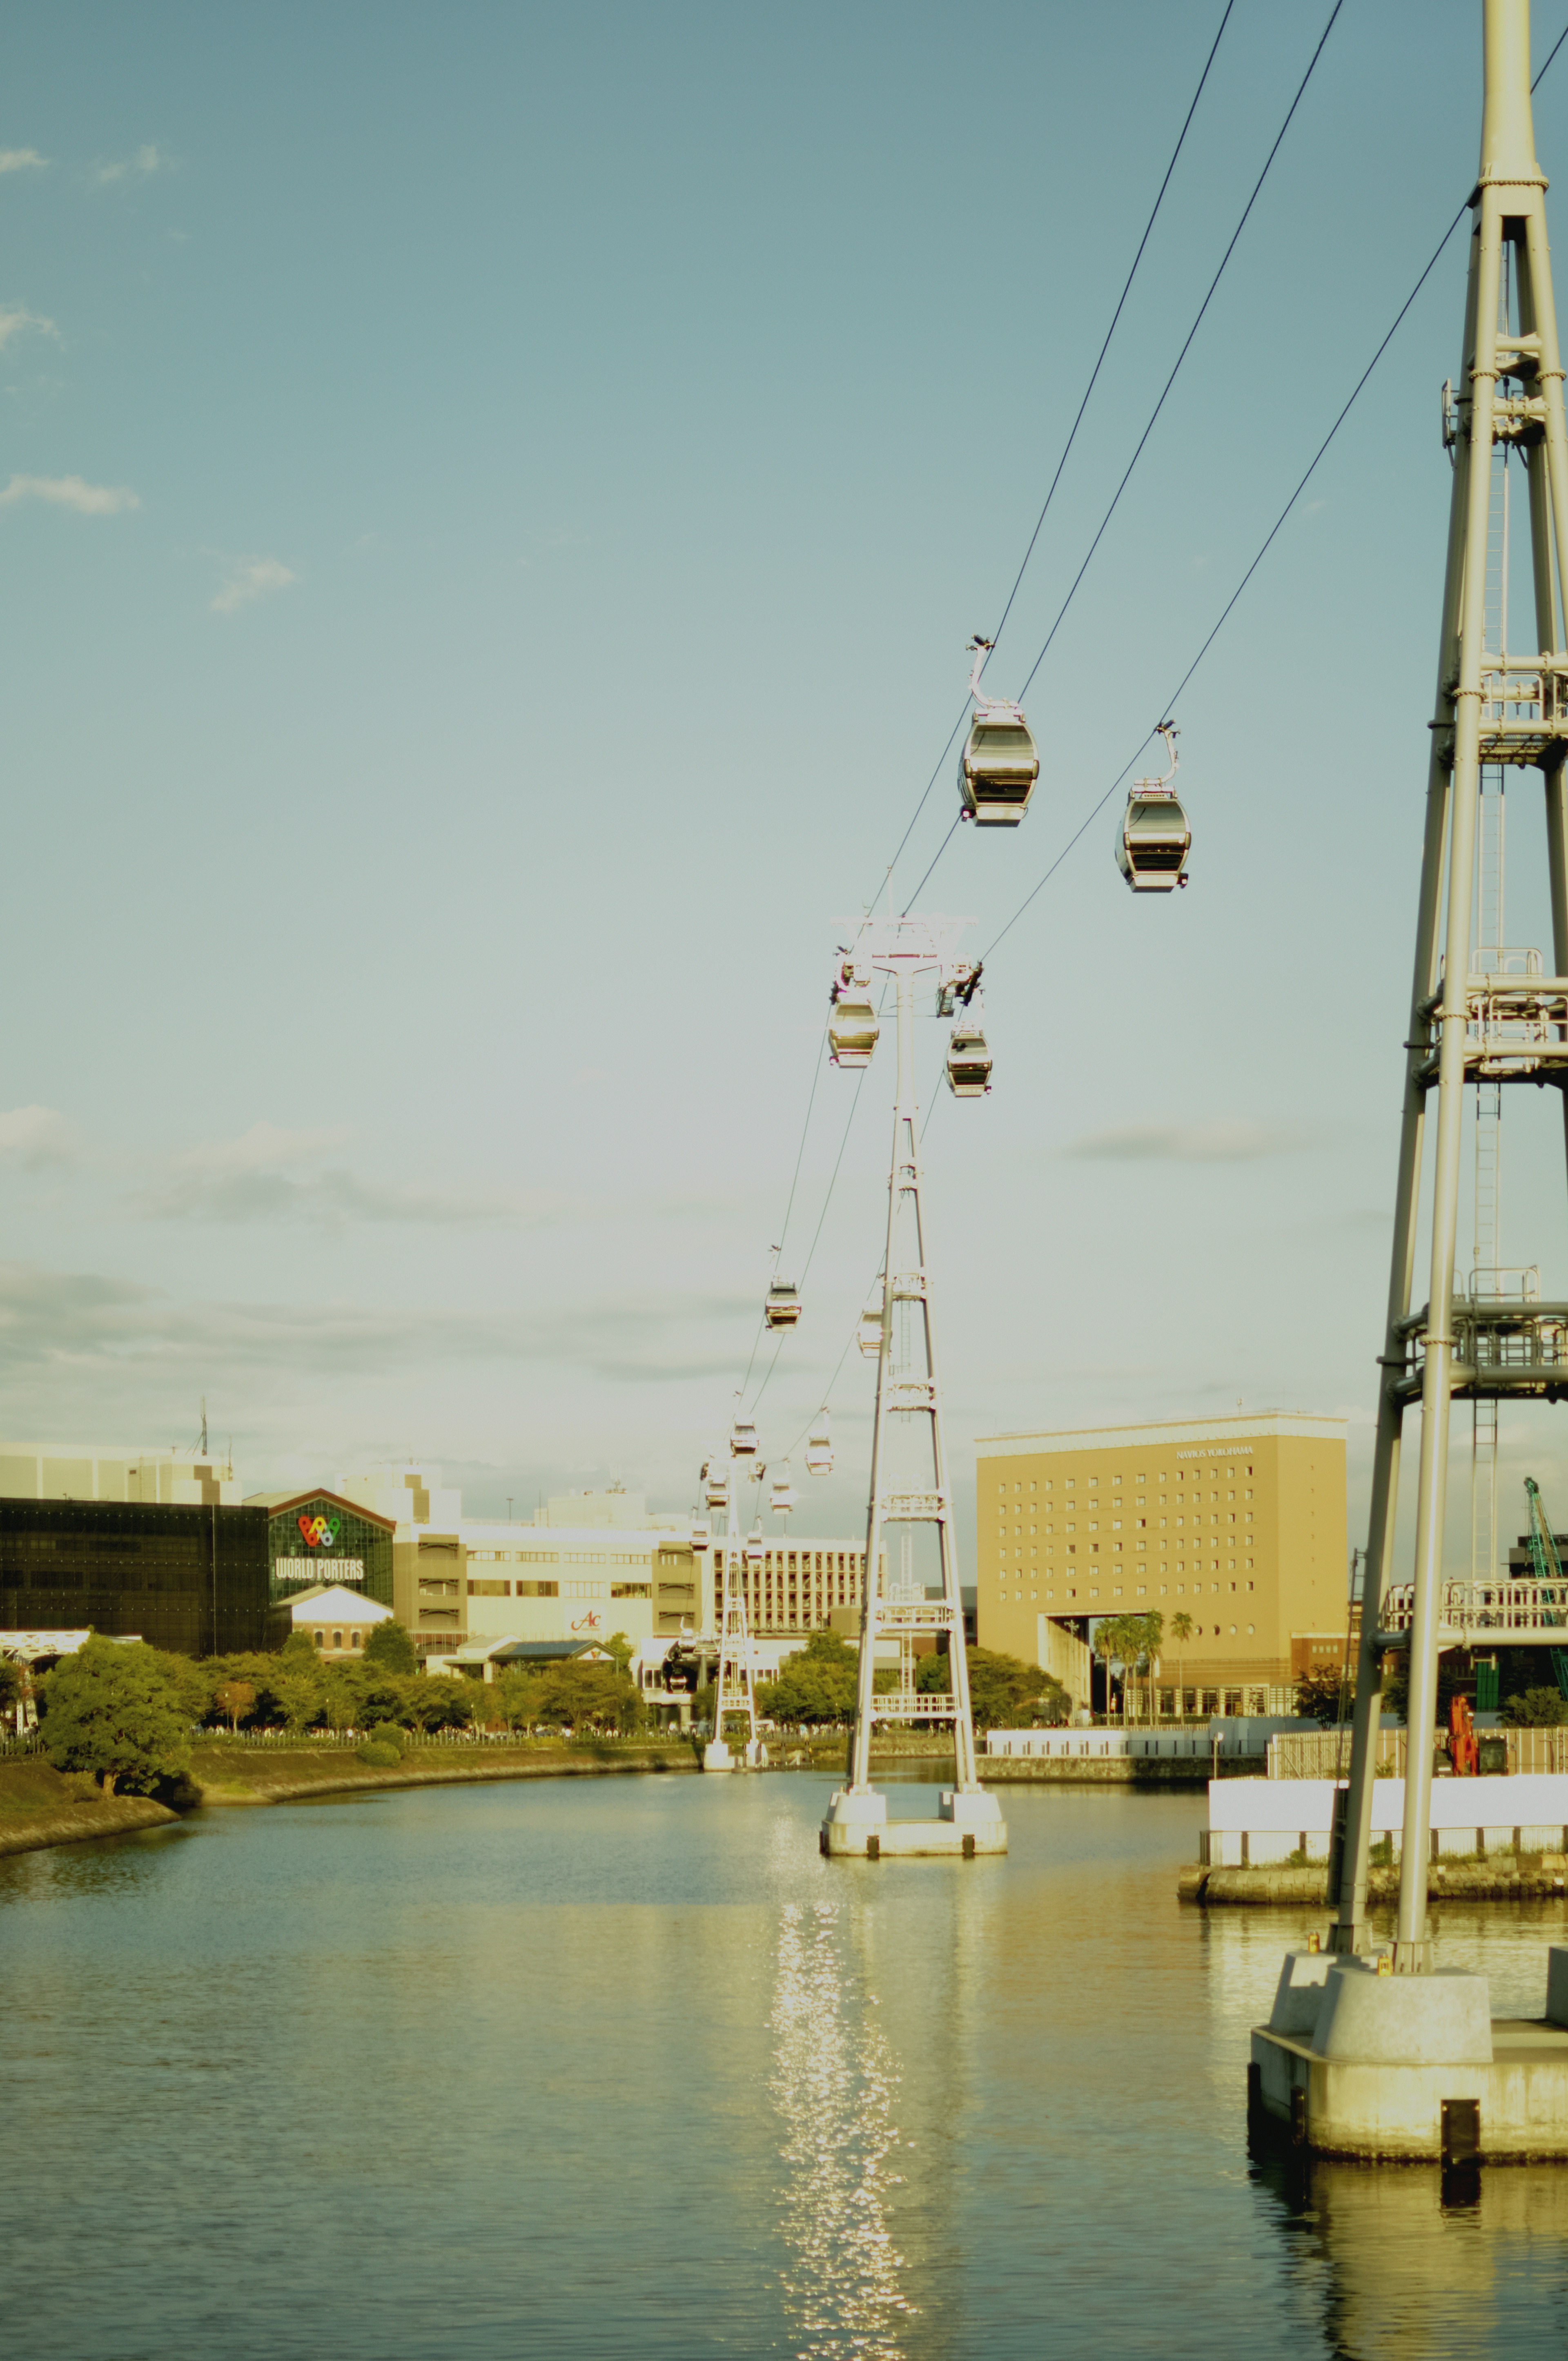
(1516, 1024)
(915, 1507)
(1499, 1346)
(1522, 703)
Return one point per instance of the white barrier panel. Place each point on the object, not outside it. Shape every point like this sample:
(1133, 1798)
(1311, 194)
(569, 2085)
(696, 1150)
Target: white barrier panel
(1259, 1822)
(1092, 1745)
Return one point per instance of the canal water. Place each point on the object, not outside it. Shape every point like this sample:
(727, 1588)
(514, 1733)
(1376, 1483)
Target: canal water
(623, 2067)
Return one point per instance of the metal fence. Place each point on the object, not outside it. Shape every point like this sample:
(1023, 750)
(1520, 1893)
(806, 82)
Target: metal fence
(1323, 1753)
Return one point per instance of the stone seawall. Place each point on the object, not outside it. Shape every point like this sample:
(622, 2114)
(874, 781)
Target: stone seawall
(1189, 1770)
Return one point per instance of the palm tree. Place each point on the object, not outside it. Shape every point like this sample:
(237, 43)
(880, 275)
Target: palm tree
(1181, 1629)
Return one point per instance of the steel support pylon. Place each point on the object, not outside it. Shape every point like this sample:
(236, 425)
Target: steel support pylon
(1473, 1021)
(735, 1682)
(909, 1481)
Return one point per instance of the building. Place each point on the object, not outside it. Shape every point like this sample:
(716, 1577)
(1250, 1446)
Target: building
(316, 1537)
(617, 1509)
(1238, 1523)
(796, 1587)
(105, 1471)
(193, 1580)
(428, 1573)
(337, 1618)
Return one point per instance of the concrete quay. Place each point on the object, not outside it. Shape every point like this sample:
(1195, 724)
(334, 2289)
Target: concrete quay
(1356, 2062)
(1541, 1877)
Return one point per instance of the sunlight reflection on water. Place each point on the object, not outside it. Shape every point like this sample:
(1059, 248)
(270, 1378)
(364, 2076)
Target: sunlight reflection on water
(835, 2084)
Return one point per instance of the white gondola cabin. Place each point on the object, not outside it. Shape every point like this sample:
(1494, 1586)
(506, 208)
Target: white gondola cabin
(819, 1448)
(755, 1546)
(744, 1438)
(782, 1307)
(868, 1336)
(1155, 838)
(1000, 761)
(701, 1534)
(852, 1025)
(782, 1496)
(716, 1488)
(968, 1058)
(998, 767)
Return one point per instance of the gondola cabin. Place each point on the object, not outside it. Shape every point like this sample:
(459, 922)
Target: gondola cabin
(853, 1029)
(869, 1334)
(782, 1308)
(819, 1448)
(968, 1058)
(998, 767)
(743, 1439)
(1154, 839)
(782, 1496)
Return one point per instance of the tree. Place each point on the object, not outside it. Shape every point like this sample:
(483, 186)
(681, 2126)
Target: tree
(516, 1694)
(1322, 1697)
(574, 1692)
(1133, 1641)
(1107, 1646)
(13, 1685)
(816, 1684)
(1182, 1627)
(620, 1649)
(113, 1710)
(442, 1702)
(301, 1692)
(1539, 1708)
(388, 1647)
(1005, 1690)
(235, 1697)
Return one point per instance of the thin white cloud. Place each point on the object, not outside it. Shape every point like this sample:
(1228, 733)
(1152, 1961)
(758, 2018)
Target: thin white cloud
(1227, 1139)
(257, 1178)
(146, 161)
(254, 578)
(15, 320)
(37, 1136)
(21, 159)
(70, 492)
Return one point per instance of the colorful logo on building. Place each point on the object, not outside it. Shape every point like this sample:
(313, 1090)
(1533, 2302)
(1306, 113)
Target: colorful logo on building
(319, 1532)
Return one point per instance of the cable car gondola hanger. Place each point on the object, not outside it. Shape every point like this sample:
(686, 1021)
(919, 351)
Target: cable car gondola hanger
(1000, 762)
(1155, 838)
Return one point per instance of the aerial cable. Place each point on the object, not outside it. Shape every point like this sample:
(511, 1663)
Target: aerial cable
(1273, 531)
(1077, 420)
(1191, 332)
(1121, 301)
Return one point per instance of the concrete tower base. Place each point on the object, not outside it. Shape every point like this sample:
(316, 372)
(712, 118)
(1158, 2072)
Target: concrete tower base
(856, 1827)
(1358, 2063)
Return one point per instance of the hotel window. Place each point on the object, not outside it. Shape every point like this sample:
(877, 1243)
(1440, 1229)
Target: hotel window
(337, 1638)
(354, 1640)
(489, 1589)
(320, 1639)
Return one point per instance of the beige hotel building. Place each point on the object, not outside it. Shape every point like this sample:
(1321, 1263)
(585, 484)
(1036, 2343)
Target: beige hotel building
(1238, 1522)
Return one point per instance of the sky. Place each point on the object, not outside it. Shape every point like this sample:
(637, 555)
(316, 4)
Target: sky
(492, 503)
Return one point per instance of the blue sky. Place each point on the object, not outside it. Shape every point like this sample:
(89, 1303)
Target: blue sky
(497, 499)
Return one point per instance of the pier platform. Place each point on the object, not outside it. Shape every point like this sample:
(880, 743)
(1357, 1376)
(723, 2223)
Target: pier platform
(858, 1829)
(1357, 2062)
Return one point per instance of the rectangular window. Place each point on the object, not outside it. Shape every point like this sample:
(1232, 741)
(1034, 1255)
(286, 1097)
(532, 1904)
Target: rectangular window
(633, 1589)
(538, 1590)
(486, 1590)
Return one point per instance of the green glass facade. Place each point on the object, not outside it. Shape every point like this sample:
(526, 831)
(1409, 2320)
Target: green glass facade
(319, 1538)
(191, 1579)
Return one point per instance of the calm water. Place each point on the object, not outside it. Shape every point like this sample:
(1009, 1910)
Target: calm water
(626, 2067)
